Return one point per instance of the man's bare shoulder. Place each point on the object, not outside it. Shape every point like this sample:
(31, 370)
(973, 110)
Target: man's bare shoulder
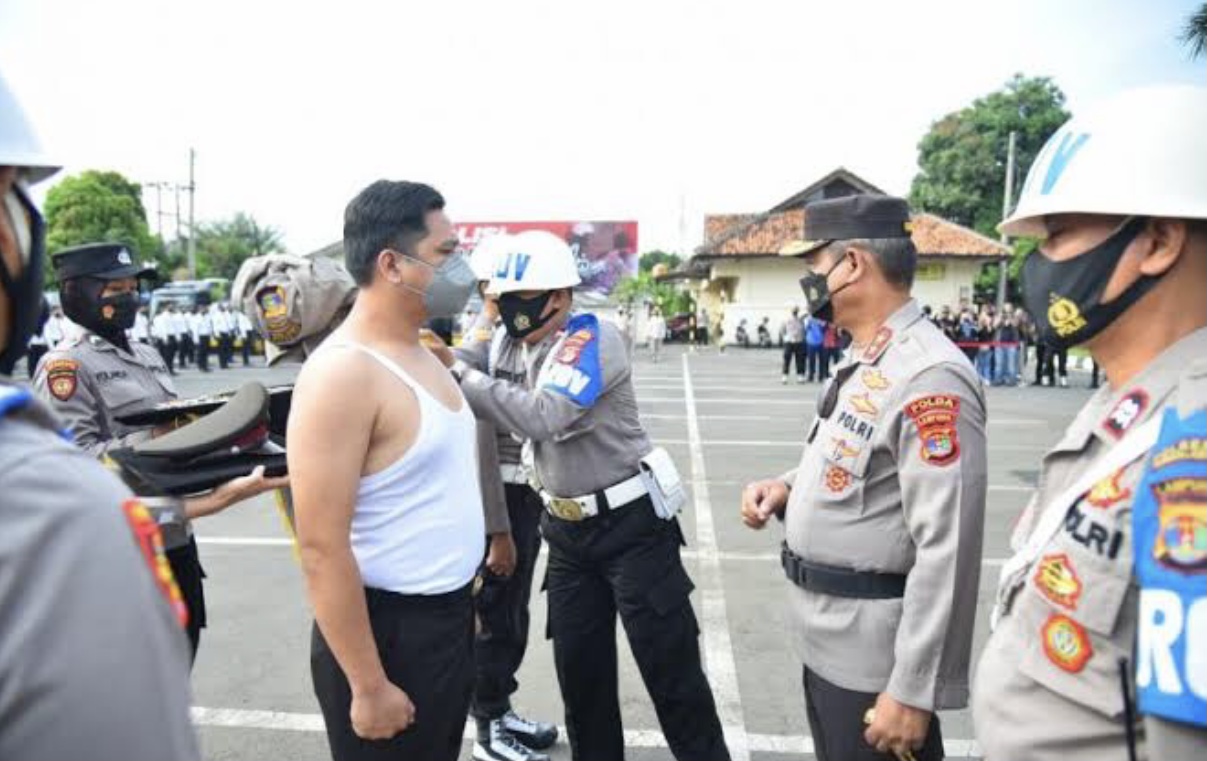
(339, 376)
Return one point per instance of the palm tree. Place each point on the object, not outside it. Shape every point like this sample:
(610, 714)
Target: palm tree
(1194, 33)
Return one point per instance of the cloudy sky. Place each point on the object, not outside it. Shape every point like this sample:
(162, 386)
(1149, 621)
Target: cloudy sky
(654, 110)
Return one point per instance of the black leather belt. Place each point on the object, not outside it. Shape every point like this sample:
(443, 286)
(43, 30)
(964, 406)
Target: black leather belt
(841, 582)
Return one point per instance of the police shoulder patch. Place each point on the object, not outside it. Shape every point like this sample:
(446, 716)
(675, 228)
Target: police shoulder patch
(937, 416)
(1169, 529)
(576, 370)
(150, 544)
(62, 378)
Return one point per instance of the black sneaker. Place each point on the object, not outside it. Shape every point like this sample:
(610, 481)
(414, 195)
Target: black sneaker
(534, 734)
(501, 745)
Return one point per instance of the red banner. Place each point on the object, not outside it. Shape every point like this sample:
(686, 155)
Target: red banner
(606, 251)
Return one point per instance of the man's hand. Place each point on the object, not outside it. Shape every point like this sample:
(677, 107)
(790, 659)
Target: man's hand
(436, 345)
(382, 712)
(763, 499)
(500, 560)
(897, 728)
(231, 492)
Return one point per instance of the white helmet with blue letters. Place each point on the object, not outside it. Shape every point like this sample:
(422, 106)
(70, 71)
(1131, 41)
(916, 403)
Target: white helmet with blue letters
(1141, 152)
(534, 260)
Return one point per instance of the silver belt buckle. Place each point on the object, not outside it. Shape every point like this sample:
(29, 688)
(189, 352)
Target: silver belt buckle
(566, 509)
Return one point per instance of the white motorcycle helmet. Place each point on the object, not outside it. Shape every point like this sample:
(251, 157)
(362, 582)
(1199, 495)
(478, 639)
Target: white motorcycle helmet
(19, 146)
(535, 261)
(1142, 152)
(485, 257)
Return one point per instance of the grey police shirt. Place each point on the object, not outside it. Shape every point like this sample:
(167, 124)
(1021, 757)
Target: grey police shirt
(894, 481)
(89, 382)
(577, 449)
(93, 663)
(1048, 684)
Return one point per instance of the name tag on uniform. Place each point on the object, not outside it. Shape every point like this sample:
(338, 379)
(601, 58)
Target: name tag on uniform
(1169, 518)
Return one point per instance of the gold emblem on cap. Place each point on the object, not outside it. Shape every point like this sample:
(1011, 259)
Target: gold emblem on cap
(522, 322)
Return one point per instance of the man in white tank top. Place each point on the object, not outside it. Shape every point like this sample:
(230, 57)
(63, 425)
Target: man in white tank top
(382, 446)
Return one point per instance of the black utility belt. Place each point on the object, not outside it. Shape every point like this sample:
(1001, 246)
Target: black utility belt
(841, 582)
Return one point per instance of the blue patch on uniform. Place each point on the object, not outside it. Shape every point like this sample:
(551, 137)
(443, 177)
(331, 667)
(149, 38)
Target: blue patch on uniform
(13, 398)
(1169, 524)
(576, 371)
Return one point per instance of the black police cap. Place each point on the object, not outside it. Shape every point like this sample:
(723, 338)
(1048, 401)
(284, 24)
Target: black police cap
(107, 261)
(850, 218)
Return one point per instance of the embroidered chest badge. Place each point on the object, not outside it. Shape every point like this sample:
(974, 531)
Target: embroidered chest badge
(1108, 492)
(1126, 413)
(1056, 580)
(837, 479)
(1066, 643)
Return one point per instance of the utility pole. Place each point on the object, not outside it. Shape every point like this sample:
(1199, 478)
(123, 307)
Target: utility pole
(192, 227)
(1007, 205)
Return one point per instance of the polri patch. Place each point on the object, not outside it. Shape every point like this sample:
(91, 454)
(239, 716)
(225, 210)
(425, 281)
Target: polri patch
(1056, 580)
(577, 371)
(1126, 413)
(274, 308)
(62, 378)
(936, 417)
(1066, 643)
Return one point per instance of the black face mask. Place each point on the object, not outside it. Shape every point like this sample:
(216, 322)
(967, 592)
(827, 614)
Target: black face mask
(24, 292)
(1065, 297)
(109, 317)
(816, 287)
(522, 317)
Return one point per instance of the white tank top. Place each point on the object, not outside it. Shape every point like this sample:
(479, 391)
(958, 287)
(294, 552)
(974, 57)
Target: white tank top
(418, 527)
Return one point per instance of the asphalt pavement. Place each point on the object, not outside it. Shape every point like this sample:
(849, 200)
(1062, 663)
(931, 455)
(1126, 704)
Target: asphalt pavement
(726, 419)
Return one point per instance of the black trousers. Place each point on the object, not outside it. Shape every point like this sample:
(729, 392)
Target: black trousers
(188, 350)
(502, 608)
(815, 361)
(836, 723)
(186, 567)
(167, 350)
(226, 349)
(203, 353)
(627, 562)
(794, 352)
(247, 339)
(426, 648)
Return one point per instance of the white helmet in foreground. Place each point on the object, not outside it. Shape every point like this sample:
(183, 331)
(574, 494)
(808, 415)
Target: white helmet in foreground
(18, 145)
(1142, 152)
(488, 254)
(535, 260)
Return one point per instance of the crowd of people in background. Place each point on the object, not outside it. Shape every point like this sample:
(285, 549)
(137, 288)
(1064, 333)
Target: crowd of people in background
(184, 336)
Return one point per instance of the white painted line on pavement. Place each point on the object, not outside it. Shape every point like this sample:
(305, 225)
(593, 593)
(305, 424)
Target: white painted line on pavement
(679, 400)
(653, 416)
(718, 648)
(281, 721)
(798, 443)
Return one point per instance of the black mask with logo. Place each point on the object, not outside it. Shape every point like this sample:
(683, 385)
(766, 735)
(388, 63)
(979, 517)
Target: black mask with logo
(522, 317)
(1065, 297)
(816, 288)
(107, 316)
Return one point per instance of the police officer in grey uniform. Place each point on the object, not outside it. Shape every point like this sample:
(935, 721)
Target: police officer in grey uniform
(1105, 600)
(93, 663)
(514, 543)
(884, 515)
(609, 551)
(99, 375)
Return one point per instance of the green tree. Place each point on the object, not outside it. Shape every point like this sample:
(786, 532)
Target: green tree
(962, 159)
(1194, 34)
(636, 292)
(223, 245)
(95, 207)
(650, 259)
